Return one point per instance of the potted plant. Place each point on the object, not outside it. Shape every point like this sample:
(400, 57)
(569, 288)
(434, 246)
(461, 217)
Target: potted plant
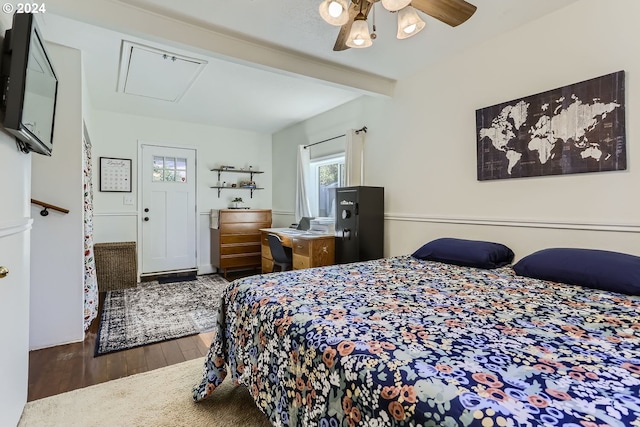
(237, 202)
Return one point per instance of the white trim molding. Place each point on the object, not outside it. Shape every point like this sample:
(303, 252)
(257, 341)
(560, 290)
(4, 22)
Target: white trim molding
(115, 214)
(14, 227)
(273, 212)
(524, 223)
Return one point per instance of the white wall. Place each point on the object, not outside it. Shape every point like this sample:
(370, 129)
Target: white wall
(118, 135)
(57, 239)
(285, 145)
(421, 144)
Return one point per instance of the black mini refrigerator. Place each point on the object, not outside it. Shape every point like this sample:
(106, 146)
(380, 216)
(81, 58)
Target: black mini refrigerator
(359, 224)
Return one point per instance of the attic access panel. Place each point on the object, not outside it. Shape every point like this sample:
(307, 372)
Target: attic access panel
(155, 73)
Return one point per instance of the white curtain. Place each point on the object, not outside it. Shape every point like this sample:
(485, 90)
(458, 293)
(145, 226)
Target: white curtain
(354, 158)
(302, 182)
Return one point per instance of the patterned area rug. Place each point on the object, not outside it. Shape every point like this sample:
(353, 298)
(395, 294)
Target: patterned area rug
(154, 312)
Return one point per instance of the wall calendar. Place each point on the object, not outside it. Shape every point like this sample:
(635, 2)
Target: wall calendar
(115, 174)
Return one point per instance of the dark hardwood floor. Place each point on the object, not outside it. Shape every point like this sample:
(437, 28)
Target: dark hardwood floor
(58, 369)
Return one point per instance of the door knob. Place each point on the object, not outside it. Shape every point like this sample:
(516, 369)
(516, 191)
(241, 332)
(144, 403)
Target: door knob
(146, 209)
(146, 218)
(3, 272)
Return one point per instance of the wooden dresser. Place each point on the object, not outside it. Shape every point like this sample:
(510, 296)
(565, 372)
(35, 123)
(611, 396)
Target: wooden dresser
(235, 244)
(307, 250)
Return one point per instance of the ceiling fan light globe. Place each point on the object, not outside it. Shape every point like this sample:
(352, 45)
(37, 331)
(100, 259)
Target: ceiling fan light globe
(409, 28)
(334, 12)
(335, 9)
(409, 23)
(395, 5)
(359, 37)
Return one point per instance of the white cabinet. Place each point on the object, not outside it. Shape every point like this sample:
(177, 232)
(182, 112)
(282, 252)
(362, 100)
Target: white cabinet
(14, 320)
(15, 232)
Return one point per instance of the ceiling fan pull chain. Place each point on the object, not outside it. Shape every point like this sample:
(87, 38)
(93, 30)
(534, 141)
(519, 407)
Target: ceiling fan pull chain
(373, 34)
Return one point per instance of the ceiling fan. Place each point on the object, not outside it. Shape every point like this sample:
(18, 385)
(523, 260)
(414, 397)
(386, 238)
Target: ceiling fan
(352, 18)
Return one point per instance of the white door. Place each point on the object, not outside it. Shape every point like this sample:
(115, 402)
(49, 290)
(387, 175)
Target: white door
(168, 217)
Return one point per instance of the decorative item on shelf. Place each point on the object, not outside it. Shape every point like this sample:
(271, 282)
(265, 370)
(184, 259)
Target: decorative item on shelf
(237, 203)
(247, 184)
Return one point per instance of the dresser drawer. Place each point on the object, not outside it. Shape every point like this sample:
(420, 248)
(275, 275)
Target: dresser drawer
(245, 216)
(244, 260)
(300, 262)
(267, 265)
(240, 249)
(243, 227)
(301, 247)
(266, 252)
(286, 240)
(239, 238)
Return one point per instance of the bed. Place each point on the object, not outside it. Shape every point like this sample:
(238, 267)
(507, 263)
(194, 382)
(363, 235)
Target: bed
(409, 342)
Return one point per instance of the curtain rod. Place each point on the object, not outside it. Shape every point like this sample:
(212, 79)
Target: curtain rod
(363, 129)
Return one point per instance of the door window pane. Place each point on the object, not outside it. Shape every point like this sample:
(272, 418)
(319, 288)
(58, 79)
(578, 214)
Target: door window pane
(158, 169)
(169, 169)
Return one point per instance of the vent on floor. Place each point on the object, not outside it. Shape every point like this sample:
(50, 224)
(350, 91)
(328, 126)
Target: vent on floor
(155, 73)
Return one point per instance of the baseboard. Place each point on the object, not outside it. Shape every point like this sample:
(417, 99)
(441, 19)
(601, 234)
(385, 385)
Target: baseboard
(206, 269)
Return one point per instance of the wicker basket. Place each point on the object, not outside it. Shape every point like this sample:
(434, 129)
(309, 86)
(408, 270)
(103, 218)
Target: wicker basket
(116, 265)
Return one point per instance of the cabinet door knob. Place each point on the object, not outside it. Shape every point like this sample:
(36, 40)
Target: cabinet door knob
(3, 272)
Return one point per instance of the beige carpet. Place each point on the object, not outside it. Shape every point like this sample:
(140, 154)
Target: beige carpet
(156, 398)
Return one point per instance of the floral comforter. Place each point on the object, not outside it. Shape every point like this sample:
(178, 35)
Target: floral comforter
(405, 342)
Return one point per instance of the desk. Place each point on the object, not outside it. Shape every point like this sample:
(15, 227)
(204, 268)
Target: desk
(308, 249)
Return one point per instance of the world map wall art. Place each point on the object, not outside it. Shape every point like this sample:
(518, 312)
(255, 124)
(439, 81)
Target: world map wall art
(573, 129)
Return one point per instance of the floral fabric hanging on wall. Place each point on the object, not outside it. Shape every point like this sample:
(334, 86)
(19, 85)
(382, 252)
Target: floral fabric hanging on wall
(90, 281)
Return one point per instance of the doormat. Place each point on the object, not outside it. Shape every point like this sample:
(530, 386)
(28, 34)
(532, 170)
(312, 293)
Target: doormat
(153, 312)
(171, 279)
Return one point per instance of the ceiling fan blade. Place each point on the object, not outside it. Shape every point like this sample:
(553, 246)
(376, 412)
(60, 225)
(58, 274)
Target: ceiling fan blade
(354, 9)
(451, 12)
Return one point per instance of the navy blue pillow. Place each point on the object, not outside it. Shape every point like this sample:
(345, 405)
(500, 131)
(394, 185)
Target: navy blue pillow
(467, 253)
(611, 271)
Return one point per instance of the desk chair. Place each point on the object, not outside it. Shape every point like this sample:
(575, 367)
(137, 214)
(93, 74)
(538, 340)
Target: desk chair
(281, 255)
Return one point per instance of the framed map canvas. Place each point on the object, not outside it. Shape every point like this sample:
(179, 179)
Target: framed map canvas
(573, 129)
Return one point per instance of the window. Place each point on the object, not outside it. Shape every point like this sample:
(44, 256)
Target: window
(327, 174)
(169, 169)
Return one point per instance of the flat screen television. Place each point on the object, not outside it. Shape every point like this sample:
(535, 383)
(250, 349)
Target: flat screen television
(29, 86)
